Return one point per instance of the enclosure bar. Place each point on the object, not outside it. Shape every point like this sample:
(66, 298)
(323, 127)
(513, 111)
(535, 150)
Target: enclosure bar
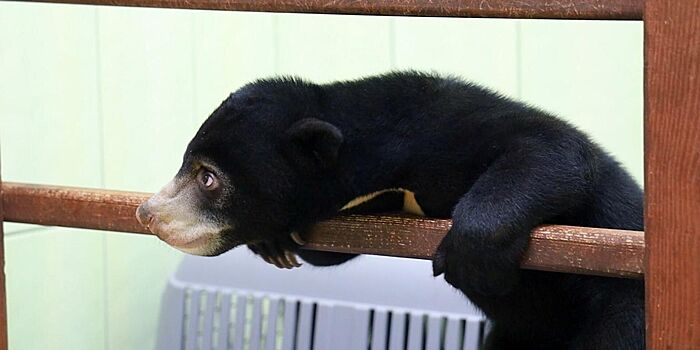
(552, 9)
(3, 303)
(672, 162)
(582, 250)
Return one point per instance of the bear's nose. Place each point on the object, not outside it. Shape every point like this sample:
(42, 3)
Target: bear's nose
(143, 215)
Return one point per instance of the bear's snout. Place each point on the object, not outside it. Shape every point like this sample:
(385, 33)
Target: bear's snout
(174, 221)
(144, 215)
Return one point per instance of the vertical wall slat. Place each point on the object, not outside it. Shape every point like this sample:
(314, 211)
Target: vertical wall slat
(672, 174)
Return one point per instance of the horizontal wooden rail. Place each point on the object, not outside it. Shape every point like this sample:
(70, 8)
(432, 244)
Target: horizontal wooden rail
(553, 9)
(582, 250)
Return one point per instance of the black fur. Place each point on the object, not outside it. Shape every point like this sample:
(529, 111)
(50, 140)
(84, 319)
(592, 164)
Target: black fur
(296, 152)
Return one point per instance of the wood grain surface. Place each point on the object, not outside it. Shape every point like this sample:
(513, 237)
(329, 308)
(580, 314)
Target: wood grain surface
(552, 248)
(582, 9)
(672, 160)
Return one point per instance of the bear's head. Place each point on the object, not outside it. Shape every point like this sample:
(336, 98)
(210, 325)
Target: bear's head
(251, 173)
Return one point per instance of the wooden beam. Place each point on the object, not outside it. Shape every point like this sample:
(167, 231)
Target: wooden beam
(73, 207)
(552, 248)
(581, 9)
(570, 249)
(3, 302)
(672, 162)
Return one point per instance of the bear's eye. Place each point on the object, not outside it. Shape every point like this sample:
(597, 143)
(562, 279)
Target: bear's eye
(207, 179)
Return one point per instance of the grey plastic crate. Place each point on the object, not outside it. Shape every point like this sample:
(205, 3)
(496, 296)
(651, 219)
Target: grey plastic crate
(236, 301)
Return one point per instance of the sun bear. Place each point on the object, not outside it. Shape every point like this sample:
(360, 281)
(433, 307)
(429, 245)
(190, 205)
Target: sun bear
(281, 154)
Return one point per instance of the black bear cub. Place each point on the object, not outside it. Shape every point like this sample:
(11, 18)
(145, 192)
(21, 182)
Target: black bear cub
(280, 154)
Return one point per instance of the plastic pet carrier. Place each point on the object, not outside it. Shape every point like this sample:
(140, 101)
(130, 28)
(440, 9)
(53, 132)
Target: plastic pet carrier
(236, 301)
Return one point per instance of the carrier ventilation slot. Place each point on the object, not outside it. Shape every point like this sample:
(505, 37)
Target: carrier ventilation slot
(397, 330)
(221, 320)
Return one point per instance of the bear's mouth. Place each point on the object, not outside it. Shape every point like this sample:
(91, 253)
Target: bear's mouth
(198, 237)
(182, 241)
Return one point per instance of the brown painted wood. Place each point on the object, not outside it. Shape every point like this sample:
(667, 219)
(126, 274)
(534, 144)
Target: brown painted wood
(672, 151)
(581, 9)
(584, 250)
(3, 302)
(553, 248)
(73, 207)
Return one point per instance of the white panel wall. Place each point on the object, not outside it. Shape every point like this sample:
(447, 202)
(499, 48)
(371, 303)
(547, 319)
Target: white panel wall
(109, 97)
(591, 73)
(483, 51)
(326, 48)
(49, 133)
(147, 107)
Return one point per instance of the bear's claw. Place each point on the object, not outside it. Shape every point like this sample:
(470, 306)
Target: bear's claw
(272, 253)
(296, 237)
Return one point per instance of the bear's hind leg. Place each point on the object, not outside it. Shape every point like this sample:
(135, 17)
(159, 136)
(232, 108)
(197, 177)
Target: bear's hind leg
(619, 328)
(499, 338)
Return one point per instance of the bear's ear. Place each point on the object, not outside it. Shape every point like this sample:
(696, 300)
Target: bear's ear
(320, 139)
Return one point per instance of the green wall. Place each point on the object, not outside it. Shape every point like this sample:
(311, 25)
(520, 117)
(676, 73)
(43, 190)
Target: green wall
(109, 97)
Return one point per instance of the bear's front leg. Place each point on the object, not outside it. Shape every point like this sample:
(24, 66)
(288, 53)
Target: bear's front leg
(476, 266)
(491, 223)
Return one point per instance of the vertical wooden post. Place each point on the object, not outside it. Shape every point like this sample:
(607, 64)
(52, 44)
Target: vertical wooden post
(672, 162)
(3, 305)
